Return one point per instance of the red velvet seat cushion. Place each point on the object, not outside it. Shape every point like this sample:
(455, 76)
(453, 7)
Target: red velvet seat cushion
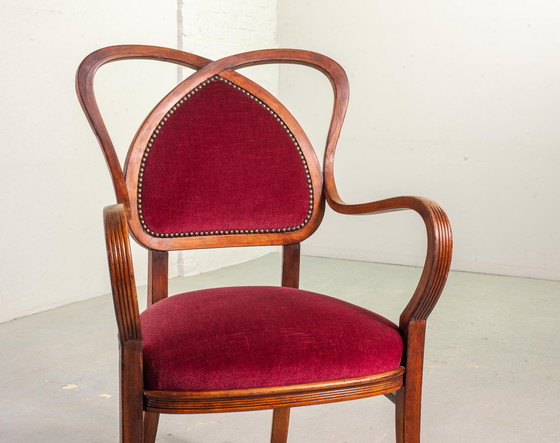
(248, 337)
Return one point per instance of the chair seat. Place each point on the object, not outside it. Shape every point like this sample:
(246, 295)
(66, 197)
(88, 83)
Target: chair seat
(260, 336)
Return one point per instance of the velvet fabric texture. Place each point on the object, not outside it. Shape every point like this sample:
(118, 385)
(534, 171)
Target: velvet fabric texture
(251, 337)
(221, 161)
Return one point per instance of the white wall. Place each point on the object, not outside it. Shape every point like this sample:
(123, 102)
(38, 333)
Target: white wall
(456, 101)
(52, 173)
(53, 179)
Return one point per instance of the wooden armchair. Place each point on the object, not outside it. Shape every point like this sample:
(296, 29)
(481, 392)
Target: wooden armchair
(219, 162)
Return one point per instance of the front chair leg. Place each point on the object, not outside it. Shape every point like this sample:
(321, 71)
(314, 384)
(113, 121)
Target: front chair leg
(409, 397)
(151, 420)
(407, 417)
(131, 397)
(280, 423)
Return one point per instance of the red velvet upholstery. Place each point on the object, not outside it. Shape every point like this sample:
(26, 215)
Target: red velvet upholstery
(222, 162)
(247, 337)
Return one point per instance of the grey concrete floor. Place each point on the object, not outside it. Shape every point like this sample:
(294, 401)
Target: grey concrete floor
(492, 364)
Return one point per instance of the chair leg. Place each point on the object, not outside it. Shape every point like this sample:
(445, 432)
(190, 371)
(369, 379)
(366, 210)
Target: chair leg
(280, 423)
(131, 396)
(151, 420)
(407, 418)
(131, 420)
(409, 397)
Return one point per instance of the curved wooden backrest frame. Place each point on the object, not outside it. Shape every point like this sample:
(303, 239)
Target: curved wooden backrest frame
(86, 95)
(126, 183)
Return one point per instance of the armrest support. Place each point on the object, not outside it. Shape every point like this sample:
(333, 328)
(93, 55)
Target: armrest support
(122, 273)
(439, 248)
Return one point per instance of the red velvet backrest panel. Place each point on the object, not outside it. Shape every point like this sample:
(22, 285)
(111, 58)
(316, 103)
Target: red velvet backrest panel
(215, 163)
(222, 162)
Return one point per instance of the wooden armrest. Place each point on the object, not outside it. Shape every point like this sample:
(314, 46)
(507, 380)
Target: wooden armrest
(122, 273)
(439, 248)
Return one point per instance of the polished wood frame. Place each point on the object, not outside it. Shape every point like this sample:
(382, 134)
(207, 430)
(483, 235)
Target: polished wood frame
(140, 408)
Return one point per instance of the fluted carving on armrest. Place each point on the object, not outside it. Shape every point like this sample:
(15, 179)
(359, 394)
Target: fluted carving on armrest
(122, 273)
(439, 247)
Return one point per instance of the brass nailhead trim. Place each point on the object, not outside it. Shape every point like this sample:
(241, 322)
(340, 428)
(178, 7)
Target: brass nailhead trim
(232, 231)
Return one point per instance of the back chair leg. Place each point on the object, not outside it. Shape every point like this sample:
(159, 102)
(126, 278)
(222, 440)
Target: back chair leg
(280, 424)
(151, 420)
